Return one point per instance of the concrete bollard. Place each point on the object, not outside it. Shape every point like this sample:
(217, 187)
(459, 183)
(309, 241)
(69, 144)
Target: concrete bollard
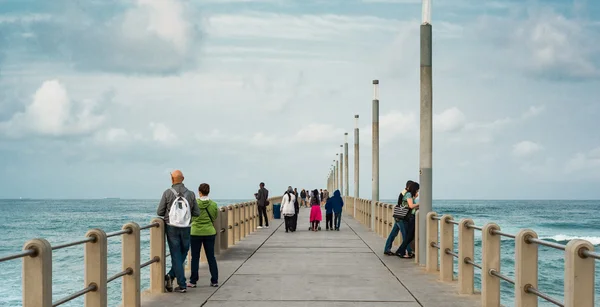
(243, 207)
(230, 227)
(466, 251)
(446, 244)
(389, 217)
(253, 217)
(432, 237)
(95, 268)
(236, 223)
(131, 260)
(416, 240)
(526, 269)
(247, 219)
(157, 249)
(224, 229)
(217, 224)
(490, 254)
(37, 274)
(579, 274)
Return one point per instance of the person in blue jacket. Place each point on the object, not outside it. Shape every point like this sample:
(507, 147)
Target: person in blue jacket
(329, 215)
(335, 203)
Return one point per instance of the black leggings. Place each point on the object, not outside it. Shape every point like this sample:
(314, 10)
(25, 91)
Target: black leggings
(314, 224)
(262, 211)
(289, 223)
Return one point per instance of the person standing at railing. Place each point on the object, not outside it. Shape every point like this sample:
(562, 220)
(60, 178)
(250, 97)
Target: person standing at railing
(287, 209)
(262, 203)
(398, 226)
(177, 231)
(203, 234)
(409, 221)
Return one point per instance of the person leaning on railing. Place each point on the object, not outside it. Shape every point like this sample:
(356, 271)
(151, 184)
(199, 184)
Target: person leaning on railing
(398, 226)
(203, 234)
(409, 221)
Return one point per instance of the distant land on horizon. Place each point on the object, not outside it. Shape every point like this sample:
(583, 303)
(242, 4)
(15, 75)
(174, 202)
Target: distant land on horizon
(243, 200)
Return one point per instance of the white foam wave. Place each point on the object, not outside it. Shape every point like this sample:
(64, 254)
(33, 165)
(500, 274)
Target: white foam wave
(566, 238)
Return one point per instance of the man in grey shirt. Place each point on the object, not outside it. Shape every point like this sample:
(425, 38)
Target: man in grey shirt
(261, 203)
(178, 238)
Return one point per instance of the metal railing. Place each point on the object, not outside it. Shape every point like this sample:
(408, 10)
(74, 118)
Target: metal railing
(579, 257)
(233, 223)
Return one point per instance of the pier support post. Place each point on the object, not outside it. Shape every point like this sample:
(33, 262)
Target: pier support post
(337, 172)
(131, 260)
(579, 274)
(432, 237)
(426, 123)
(490, 255)
(95, 259)
(446, 244)
(346, 167)
(466, 251)
(236, 223)
(375, 177)
(230, 227)
(37, 274)
(224, 227)
(526, 269)
(157, 249)
(342, 171)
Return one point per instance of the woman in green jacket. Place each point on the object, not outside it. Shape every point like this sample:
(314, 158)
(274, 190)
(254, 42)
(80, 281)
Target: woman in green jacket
(203, 233)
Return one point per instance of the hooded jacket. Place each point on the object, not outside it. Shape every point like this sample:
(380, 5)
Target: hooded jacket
(287, 204)
(202, 225)
(168, 197)
(335, 203)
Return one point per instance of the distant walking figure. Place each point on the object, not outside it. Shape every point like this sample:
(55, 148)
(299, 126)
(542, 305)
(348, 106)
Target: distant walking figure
(315, 211)
(335, 205)
(287, 209)
(262, 203)
(204, 235)
(177, 206)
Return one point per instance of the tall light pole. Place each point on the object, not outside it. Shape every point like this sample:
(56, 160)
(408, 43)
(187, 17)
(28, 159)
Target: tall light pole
(426, 119)
(356, 161)
(375, 197)
(346, 178)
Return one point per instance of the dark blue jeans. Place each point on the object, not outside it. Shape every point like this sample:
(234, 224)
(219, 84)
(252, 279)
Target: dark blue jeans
(410, 235)
(337, 219)
(209, 249)
(399, 226)
(178, 239)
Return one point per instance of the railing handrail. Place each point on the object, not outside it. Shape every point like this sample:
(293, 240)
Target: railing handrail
(235, 222)
(579, 274)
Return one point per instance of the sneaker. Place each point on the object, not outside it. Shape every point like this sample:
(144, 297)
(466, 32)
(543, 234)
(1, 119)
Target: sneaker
(214, 284)
(191, 285)
(168, 283)
(267, 227)
(259, 227)
(180, 290)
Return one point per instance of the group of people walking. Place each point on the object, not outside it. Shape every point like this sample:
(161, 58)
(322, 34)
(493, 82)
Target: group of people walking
(404, 221)
(290, 206)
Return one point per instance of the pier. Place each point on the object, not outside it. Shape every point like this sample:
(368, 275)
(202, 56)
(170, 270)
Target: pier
(268, 267)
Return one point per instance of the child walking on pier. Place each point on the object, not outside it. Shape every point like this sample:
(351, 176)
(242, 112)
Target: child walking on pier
(315, 211)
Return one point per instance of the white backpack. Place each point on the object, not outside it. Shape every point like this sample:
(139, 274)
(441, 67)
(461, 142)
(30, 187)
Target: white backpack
(180, 213)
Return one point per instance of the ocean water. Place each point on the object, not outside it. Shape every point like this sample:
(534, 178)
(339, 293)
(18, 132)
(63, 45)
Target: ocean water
(61, 221)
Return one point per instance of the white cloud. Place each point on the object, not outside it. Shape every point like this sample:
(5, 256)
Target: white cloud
(533, 111)
(395, 124)
(450, 120)
(161, 133)
(526, 149)
(316, 132)
(581, 161)
(53, 113)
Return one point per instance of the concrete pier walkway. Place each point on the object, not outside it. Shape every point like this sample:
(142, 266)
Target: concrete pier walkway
(317, 269)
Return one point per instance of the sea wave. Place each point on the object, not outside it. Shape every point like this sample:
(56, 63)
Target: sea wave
(566, 238)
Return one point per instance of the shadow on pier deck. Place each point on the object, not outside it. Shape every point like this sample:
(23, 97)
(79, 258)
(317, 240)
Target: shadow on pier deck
(345, 268)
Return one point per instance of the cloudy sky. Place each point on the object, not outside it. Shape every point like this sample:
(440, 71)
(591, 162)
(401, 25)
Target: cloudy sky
(102, 98)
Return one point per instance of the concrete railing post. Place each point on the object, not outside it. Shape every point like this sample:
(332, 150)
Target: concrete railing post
(247, 220)
(432, 237)
(416, 241)
(490, 254)
(579, 274)
(217, 224)
(243, 220)
(253, 214)
(95, 266)
(376, 219)
(157, 249)
(224, 228)
(466, 251)
(446, 244)
(230, 226)
(526, 269)
(37, 274)
(389, 218)
(131, 260)
(236, 223)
